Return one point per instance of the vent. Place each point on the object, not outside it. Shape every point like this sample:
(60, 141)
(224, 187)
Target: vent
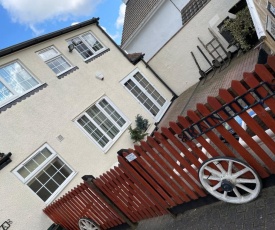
(60, 138)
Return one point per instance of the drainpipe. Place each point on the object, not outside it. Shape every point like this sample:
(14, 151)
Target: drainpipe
(256, 19)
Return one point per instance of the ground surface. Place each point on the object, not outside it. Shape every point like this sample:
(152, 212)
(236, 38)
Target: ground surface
(258, 214)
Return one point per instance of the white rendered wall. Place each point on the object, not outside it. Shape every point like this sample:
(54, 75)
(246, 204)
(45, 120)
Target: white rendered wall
(174, 62)
(50, 112)
(157, 31)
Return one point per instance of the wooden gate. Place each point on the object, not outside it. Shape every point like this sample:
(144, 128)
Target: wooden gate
(161, 172)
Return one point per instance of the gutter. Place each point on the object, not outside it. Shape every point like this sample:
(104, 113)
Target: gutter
(34, 41)
(256, 20)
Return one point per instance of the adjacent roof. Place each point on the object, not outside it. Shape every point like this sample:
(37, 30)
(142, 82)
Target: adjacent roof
(135, 57)
(136, 12)
(45, 37)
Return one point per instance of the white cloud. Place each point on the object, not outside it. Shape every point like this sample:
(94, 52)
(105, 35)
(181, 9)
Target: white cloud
(120, 19)
(33, 12)
(74, 23)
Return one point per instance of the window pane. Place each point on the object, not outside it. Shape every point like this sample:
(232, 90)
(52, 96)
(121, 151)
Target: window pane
(51, 170)
(142, 92)
(31, 165)
(59, 178)
(66, 171)
(105, 124)
(102, 122)
(23, 172)
(46, 152)
(94, 132)
(111, 111)
(35, 185)
(149, 88)
(17, 78)
(5, 93)
(52, 186)
(92, 42)
(43, 178)
(58, 163)
(44, 194)
(39, 158)
(58, 65)
(48, 54)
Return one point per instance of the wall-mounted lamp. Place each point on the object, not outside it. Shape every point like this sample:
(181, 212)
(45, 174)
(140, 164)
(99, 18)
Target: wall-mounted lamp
(99, 76)
(71, 47)
(73, 44)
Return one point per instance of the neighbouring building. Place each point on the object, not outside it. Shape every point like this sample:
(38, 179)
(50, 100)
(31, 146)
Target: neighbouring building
(149, 24)
(168, 31)
(67, 99)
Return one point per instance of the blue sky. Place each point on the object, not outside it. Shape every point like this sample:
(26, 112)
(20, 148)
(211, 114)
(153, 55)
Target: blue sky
(22, 20)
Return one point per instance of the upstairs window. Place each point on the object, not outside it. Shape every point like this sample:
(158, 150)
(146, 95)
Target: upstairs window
(87, 45)
(146, 94)
(15, 81)
(55, 60)
(103, 123)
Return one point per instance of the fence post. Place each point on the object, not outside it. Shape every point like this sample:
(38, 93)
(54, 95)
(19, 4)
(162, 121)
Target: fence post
(88, 179)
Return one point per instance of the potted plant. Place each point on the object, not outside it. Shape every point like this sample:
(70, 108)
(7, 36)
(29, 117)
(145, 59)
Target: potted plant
(242, 29)
(139, 132)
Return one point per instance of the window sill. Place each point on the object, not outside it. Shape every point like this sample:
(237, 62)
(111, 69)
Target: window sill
(5, 160)
(96, 55)
(68, 71)
(20, 98)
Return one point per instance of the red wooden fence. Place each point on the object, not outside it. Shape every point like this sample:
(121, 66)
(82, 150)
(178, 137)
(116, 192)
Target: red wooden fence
(162, 171)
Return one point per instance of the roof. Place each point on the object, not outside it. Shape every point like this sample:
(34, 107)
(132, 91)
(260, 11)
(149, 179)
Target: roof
(45, 37)
(136, 12)
(135, 57)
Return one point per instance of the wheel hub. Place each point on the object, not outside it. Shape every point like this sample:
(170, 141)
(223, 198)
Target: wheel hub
(227, 185)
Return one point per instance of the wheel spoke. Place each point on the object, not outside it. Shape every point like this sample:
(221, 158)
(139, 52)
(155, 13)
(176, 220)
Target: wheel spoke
(213, 171)
(209, 177)
(241, 172)
(216, 186)
(244, 188)
(235, 190)
(219, 166)
(243, 180)
(230, 165)
(224, 194)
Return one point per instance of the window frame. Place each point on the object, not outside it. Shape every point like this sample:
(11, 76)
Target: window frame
(46, 61)
(121, 129)
(15, 94)
(80, 36)
(33, 174)
(162, 108)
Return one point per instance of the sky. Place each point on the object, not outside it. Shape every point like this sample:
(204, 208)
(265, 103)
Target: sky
(22, 20)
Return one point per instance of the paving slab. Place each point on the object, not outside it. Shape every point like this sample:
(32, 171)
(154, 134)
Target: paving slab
(258, 214)
(210, 86)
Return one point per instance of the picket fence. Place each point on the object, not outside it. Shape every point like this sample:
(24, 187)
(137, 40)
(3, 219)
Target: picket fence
(161, 172)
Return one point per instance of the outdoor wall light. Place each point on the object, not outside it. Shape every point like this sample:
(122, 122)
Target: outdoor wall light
(99, 76)
(71, 47)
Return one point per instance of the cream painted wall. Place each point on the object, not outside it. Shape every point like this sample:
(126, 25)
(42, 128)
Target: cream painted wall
(174, 62)
(261, 7)
(50, 112)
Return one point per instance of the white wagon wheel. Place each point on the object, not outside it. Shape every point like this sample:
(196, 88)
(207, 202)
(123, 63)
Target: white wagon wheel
(87, 224)
(230, 180)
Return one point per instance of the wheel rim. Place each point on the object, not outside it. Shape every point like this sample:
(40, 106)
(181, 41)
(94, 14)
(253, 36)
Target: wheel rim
(86, 224)
(230, 180)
